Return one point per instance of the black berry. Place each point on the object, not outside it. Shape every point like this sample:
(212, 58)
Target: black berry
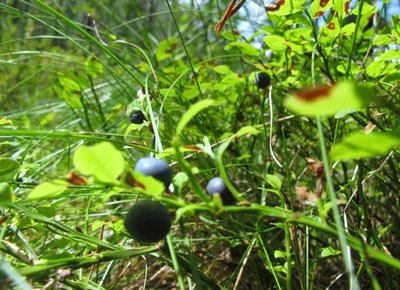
(138, 117)
(148, 221)
(262, 80)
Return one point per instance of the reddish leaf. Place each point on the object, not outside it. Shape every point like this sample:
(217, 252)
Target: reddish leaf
(193, 147)
(76, 179)
(323, 3)
(331, 26)
(274, 6)
(314, 93)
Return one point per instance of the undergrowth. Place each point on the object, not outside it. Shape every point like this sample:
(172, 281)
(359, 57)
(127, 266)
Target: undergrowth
(311, 160)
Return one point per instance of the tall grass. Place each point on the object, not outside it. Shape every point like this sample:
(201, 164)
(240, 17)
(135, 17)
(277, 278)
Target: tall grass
(67, 82)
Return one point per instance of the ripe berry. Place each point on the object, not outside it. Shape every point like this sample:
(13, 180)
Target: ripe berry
(262, 80)
(157, 168)
(138, 117)
(217, 185)
(148, 221)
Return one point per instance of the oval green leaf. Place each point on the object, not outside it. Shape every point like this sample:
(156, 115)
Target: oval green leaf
(361, 145)
(8, 168)
(329, 101)
(48, 190)
(102, 161)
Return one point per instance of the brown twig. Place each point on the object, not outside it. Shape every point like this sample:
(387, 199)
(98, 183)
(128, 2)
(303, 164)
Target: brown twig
(230, 11)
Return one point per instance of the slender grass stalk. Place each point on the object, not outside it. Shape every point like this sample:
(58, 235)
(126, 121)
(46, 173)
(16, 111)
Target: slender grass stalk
(86, 261)
(90, 136)
(353, 41)
(175, 262)
(307, 260)
(339, 225)
(269, 263)
(336, 213)
(14, 276)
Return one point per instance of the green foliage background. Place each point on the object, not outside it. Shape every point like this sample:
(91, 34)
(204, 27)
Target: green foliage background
(69, 80)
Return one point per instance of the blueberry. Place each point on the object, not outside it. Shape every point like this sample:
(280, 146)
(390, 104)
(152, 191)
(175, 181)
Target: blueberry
(262, 80)
(148, 221)
(138, 117)
(157, 168)
(217, 185)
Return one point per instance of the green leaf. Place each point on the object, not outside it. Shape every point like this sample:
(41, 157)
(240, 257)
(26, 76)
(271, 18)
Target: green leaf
(389, 55)
(332, 29)
(48, 190)
(339, 6)
(366, 9)
(166, 47)
(102, 161)
(280, 254)
(47, 210)
(378, 68)
(316, 10)
(180, 180)
(148, 184)
(329, 100)
(191, 112)
(72, 99)
(383, 39)
(69, 84)
(247, 130)
(6, 194)
(93, 66)
(223, 69)
(288, 7)
(276, 43)
(5, 122)
(245, 48)
(345, 112)
(274, 181)
(8, 168)
(362, 145)
(329, 251)
(230, 35)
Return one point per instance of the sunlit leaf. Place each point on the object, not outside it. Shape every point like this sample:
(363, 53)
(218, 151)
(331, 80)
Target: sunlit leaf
(68, 84)
(8, 168)
(47, 210)
(244, 47)
(48, 190)
(72, 99)
(361, 145)
(276, 43)
(147, 184)
(329, 100)
(329, 251)
(282, 7)
(223, 69)
(280, 254)
(5, 122)
(166, 47)
(331, 29)
(6, 193)
(231, 35)
(273, 181)
(383, 39)
(102, 161)
(93, 66)
(193, 111)
(319, 7)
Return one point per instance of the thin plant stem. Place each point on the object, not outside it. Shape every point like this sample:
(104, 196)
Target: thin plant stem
(175, 262)
(336, 213)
